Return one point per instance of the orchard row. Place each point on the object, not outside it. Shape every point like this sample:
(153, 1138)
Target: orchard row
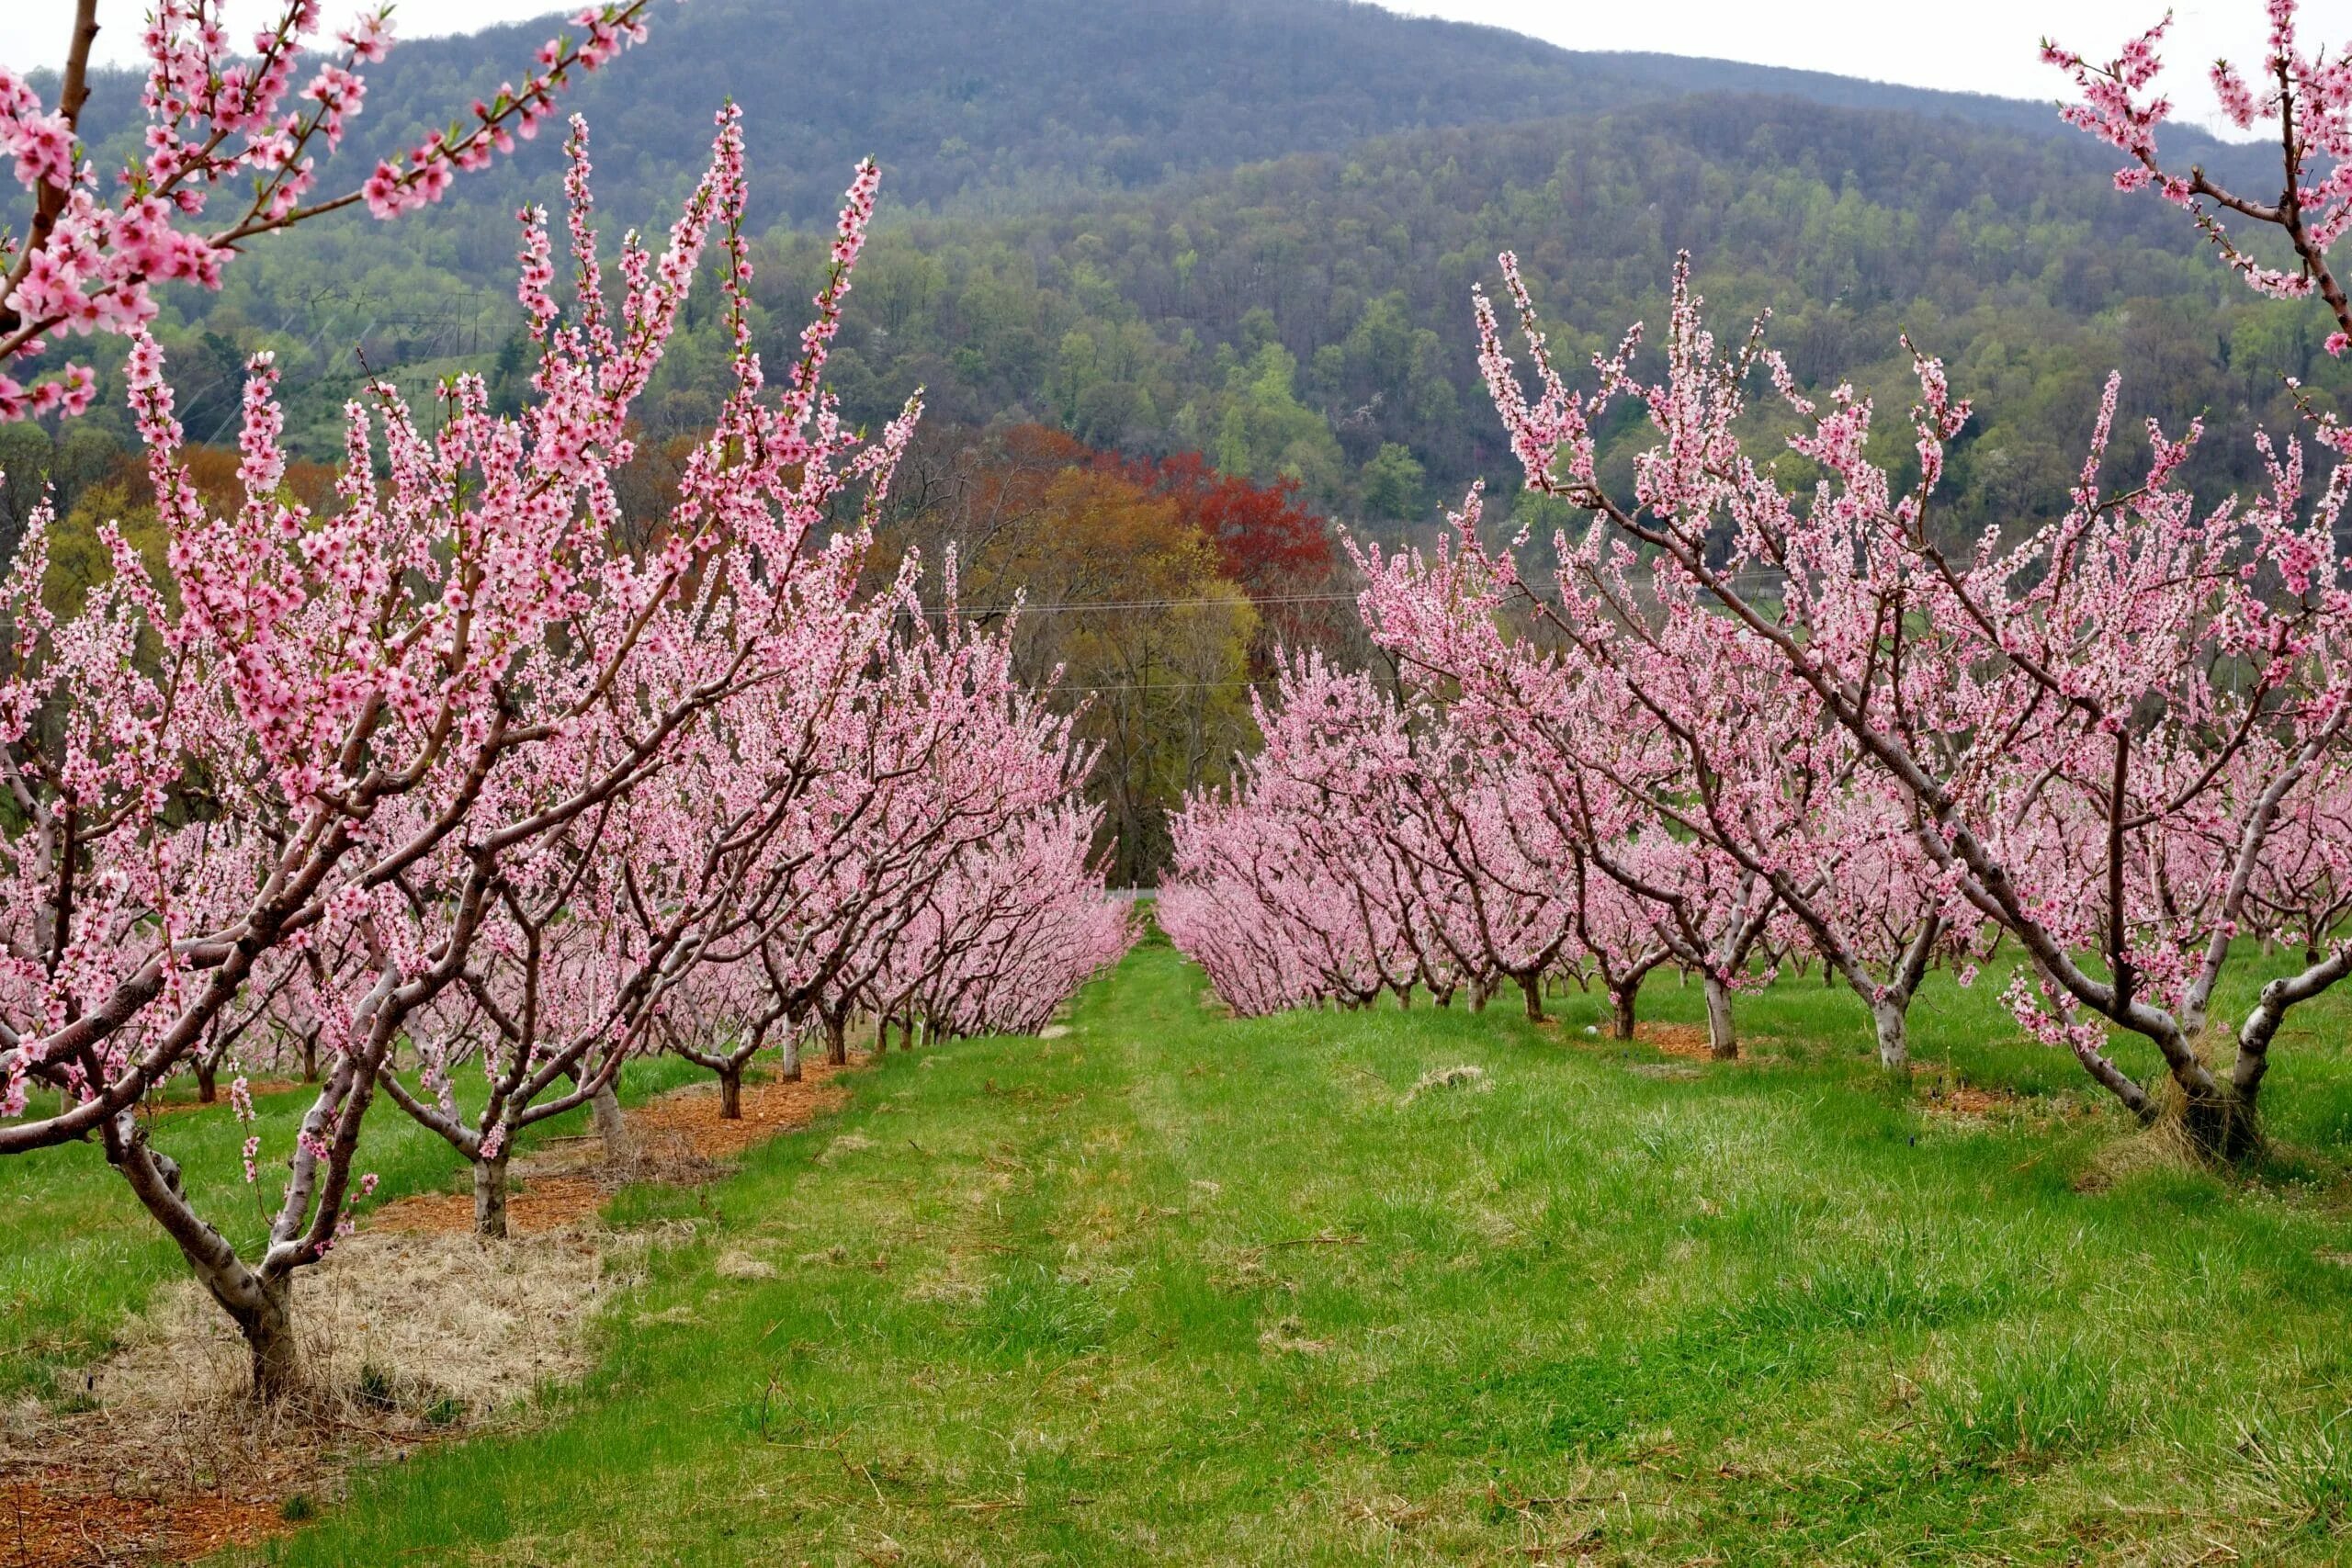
(1763, 696)
(465, 787)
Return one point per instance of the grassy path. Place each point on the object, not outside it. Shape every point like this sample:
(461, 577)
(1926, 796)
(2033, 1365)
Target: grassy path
(1179, 1288)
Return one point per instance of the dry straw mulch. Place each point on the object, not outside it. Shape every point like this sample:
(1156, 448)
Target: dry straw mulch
(414, 1331)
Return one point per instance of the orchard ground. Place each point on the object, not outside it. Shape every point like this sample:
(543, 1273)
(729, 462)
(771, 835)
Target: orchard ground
(1421, 1286)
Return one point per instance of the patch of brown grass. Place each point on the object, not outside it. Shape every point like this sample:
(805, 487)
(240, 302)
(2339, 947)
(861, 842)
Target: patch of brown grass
(406, 1338)
(413, 1329)
(1675, 1040)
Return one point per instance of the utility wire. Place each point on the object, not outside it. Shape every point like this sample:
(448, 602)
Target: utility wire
(1742, 581)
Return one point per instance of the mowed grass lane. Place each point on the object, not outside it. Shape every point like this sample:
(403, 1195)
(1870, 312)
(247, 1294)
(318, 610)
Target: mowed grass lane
(1177, 1288)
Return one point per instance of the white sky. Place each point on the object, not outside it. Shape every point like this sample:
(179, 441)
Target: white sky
(1984, 46)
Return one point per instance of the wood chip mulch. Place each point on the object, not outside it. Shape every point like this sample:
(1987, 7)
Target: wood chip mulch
(680, 1133)
(56, 1519)
(1675, 1038)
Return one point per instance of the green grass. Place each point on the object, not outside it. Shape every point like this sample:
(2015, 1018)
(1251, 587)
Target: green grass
(1176, 1287)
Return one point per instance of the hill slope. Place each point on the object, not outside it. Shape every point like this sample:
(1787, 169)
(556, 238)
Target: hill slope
(983, 103)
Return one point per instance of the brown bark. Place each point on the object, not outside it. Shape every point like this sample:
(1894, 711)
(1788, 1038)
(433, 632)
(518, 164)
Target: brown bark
(268, 1324)
(605, 1108)
(490, 1196)
(1723, 1044)
(1621, 1011)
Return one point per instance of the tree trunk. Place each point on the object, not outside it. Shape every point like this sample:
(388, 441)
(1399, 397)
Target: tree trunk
(310, 1058)
(490, 1196)
(1533, 988)
(2220, 1123)
(907, 1033)
(208, 1083)
(262, 1305)
(836, 1041)
(611, 1126)
(1722, 1044)
(731, 1094)
(791, 1069)
(1894, 1037)
(266, 1320)
(1620, 1010)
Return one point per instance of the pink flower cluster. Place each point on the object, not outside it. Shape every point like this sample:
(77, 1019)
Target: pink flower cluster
(2113, 735)
(217, 120)
(2305, 94)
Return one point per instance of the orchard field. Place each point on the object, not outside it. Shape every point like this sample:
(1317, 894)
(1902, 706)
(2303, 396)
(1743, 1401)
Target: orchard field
(1422, 1286)
(625, 964)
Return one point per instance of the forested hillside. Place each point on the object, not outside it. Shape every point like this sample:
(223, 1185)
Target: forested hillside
(1250, 230)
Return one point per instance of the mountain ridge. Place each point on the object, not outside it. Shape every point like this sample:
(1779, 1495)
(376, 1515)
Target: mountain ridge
(993, 105)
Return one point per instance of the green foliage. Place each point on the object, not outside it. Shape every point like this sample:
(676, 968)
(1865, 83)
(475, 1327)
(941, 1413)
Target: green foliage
(1392, 483)
(2033, 1398)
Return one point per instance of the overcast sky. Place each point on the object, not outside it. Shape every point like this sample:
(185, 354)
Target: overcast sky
(1981, 45)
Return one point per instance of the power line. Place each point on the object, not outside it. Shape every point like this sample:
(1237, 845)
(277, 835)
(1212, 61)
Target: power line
(1742, 581)
(1077, 605)
(1167, 685)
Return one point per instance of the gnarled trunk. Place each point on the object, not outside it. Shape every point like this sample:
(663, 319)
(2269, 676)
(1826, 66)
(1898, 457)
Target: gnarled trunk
(836, 1041)
(1620, 1010)
(208, 1083)
(2220, 1123)
(261, 1304)
(264, 1316)
(605, 1108)
(1532, 988)
(1893, 1034)
(731, 1094)
(490, 1196)
(1722, 1044)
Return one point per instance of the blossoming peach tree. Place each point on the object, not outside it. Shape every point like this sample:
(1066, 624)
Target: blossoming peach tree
(380, 733)
(2108, 731)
